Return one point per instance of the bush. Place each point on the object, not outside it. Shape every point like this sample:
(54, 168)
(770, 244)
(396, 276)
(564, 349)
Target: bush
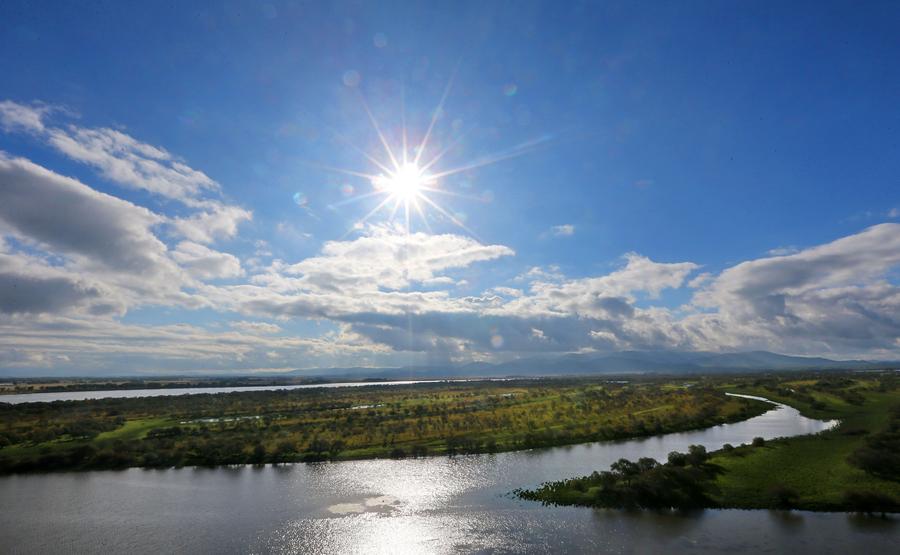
(783, 496)
(880, 455)
(758, 442)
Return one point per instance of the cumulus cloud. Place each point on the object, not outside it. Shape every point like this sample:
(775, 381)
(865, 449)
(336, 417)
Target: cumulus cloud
(833, 297)
(71, 218)
(216, 221)
(129, 162)
(821, 304)
(386, 260)
(23, 293)
(81, 250)
(366, 284)
(607, 294)
(204, 263)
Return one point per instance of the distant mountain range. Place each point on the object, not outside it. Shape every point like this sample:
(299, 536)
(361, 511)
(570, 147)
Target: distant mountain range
(625, 362)
(582, 364)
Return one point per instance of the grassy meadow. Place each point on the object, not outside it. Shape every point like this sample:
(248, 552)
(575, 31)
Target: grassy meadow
(817, 470)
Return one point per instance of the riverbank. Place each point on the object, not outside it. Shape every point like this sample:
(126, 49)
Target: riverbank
(836, 470)
(396, 421)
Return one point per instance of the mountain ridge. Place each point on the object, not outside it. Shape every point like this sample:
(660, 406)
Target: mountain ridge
(622, 362)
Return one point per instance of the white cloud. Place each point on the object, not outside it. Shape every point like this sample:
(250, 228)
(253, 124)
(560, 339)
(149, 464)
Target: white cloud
(19, 117)
(255, 327)
(700, 280)
(204, 263)
(116, 155)
(612, 293)
(782, 251)
(126, 161)
(830, 298)
(122, 159)
(826, 308)
(385, 260)
(69, 217)
(539, 273)
(29, 286)
(565, 230)
(216, 221)
(107, 346)
(506, 291)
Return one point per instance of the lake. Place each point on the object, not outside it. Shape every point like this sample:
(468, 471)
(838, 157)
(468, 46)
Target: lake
(431, 505)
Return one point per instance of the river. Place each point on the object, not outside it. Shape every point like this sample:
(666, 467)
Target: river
(430, 505)
(48, 397)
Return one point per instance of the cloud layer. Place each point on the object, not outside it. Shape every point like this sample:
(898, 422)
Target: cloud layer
(77, 263)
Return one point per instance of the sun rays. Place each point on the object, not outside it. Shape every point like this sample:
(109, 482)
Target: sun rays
(407, 180)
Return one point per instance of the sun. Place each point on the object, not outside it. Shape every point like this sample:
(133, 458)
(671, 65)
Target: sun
(405, 184)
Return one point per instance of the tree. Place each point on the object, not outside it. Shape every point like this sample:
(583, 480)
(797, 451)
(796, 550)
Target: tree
(697, 455)
(259, 454)
(626, 469)
(677, 459)
(283, 450)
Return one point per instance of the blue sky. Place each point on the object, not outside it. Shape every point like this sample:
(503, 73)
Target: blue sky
(712, 177)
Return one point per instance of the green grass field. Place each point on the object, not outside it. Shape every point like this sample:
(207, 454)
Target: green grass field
(815, 467)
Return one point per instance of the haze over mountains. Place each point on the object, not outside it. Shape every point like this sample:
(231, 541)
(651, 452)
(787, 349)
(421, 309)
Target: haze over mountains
(624, 362)
(575, 364)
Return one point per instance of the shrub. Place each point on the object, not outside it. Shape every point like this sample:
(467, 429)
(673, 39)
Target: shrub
(869, 502)
(783, 496)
